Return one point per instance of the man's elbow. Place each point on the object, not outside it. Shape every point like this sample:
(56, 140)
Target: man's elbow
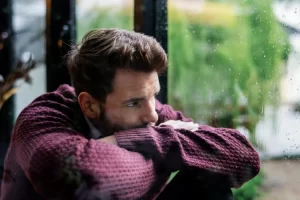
(250, 168)
(254, 163)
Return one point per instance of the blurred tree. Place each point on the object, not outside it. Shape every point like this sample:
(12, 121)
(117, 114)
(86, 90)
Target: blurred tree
(225, 73)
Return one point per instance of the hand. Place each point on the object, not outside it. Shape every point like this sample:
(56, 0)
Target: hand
(109, 139)
(177, 124)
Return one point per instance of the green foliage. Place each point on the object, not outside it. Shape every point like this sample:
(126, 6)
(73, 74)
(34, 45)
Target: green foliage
(107, 17)
(250, 190)
(224, 75)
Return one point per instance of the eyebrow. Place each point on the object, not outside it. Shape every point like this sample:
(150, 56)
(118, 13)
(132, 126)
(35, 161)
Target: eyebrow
(138, 98)
(133, 100)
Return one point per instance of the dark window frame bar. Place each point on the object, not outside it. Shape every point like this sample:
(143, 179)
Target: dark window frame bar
(7, 53)
(151, 18)
(60, 36)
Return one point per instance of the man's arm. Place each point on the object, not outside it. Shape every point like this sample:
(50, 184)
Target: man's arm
(216, 150)
(220, 151)
(59, 161)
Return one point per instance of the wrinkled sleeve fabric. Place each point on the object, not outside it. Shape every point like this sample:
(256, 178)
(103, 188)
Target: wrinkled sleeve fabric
(216, 150)
(58, 160)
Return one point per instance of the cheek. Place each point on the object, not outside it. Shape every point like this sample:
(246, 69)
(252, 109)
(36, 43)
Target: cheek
(123, 116)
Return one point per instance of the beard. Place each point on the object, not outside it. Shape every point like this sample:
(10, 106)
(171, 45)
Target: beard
(108, 128)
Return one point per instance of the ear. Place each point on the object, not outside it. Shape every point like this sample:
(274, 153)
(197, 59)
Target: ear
(89, 105)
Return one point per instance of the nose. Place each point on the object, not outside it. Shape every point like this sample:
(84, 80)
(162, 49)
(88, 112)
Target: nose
(149, 115)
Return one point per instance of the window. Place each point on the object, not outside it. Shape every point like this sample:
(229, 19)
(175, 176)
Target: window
(236, 64)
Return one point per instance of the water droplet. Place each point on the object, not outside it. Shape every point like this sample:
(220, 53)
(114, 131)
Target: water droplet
(65, 27)
(4, 35)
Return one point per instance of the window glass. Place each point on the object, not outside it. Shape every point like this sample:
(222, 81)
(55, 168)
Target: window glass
(237, 64)
(103, 14)
(29, 26)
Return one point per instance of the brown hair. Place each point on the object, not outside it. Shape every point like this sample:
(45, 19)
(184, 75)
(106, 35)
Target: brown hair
(93, 62)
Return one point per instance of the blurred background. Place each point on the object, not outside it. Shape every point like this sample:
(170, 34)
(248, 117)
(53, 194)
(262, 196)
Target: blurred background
(232, 63)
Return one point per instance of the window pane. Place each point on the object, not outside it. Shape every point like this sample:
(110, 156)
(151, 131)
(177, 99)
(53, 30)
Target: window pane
(104, 14)
(236, 64)
(29, 26)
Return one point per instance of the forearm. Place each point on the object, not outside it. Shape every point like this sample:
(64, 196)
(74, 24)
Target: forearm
(63, 164)
(221, 151)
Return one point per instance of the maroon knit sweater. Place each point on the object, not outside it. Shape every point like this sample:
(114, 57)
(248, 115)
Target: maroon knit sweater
(50, 156)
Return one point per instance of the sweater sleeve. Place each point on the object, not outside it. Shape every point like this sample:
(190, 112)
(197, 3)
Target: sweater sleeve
(220, 151)
(216, 150)
(59, 161)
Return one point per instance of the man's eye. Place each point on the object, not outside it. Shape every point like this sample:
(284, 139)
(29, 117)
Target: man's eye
(133, 104)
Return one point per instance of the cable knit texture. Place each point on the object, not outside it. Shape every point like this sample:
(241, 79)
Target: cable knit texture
(50, 157)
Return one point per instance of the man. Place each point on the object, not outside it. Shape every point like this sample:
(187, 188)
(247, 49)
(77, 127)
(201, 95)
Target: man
(109, 138)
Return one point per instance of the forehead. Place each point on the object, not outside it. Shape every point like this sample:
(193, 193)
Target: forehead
(129, 83)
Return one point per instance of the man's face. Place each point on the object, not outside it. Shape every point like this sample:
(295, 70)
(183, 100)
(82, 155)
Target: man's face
(132, 102)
